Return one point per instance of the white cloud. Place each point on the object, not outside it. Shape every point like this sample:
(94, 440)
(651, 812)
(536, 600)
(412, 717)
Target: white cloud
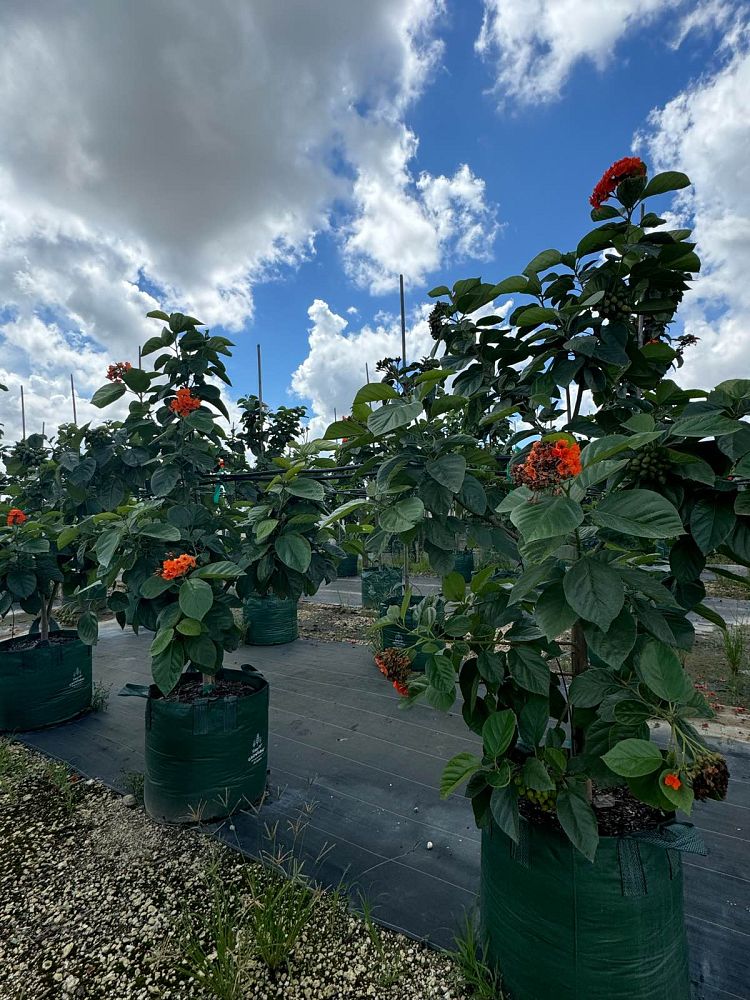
(535, 44)
(705, 131)
(192, 151)
(334, 368)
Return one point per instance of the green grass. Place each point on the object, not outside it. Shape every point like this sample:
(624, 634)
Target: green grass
(483, 982)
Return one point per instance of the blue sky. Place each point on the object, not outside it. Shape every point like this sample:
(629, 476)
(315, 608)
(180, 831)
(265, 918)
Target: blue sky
(327, 147)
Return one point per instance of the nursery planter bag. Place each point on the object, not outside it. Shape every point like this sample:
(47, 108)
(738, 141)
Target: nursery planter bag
(45, 685)
(270, 620)
(464, 564)
(396, 637)
(379, 584)
(206, 758)
(348, 566)
(557, 925)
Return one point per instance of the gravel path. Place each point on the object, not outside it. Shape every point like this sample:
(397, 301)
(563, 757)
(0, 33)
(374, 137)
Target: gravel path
(93, 900)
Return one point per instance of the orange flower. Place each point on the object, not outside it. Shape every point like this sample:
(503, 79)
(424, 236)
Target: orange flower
(672, 781)
(402, 689)
(628, 166)
(117, 370)
(172, 568)
(548, 463)
(184, 403)
(15, 516)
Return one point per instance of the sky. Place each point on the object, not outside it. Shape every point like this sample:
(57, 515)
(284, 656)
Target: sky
(271, 168)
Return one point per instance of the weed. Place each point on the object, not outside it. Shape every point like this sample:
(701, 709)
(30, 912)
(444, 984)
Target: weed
(14, 766)
(100, 697)
(734, 640)
(483, 981)
(391, 966)
(63, 783)
(280, 908)
(133, 782)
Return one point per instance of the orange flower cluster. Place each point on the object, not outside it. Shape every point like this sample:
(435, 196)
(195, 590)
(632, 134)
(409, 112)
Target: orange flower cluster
(673, 781)
(395, 666)
(184, 403)
(628, 166)
(172, 568)
(117, 370)
(548, 464)
(15, 516)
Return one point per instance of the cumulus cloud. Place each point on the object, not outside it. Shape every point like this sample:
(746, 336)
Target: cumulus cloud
(535, 44)
(334, 368)
(168, 151)
(705, 131)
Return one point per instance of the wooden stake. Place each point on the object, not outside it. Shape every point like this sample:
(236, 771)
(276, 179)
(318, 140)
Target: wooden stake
(73, 397)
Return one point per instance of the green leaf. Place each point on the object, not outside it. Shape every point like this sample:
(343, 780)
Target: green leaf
(402, 516)
(391, 416)
(158, 314)
(342, 429)
(642, 513)
(153, 586)
(710, 523)
(454, 587)
(265, 528)
(221, 570)
(578, 820)
(189, 626)
(294, 551)
(108, 394)
(439, 290)
(375, 391)
(201, 651)
(441, 673)
(669, 180)
(343, 511)
(457, 770)
(449, 471)
(196, 598)
(543, 261)
(615, 644)
(497, 732)
(164, 480)
(702, 425)
(659, 667)
(151, 345)
(553, 613)
(504, 808)
(137, 380)
(682, 798)
(88, 628)
(550, 517)
(67, 535)
(633, 758)
(590, 688)
(594, 591)
(167, 666)
(307, 489)
(107, 544)
(509, 286)
(159, 529)
(534, 315)
(536, 776)
(472, 495)
(529, 670)
(161, 641)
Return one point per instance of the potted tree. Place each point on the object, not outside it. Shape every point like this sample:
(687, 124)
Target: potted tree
(562, 667)
(169, 562)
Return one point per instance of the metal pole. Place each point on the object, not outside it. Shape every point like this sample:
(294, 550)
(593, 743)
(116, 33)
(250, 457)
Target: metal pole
(367, 373)
(260, 397)
(335, 415)
(73, 397)
(641, 317)
(23, 416)
(42, 430)
(140, 358)
(403, 365)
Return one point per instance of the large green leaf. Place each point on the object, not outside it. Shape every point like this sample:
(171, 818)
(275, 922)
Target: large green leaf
(529, 670)
(265, 528)
(458, 769)
(578, 820)
(137, 380)
(374, 391)
(108, 394)
(161, 530)
(161, 641)
(472, 495)
(153, 586)
(669, 180)
(106, 545)
(201, 651)
(700, 425)
(633, 758)
(710, 523)
(448, 470)
(590, 688)
(659, 667)
(548, 518)
(343, 511)
(167, 666)
(196, 598)
(642, 513)
(504, 808)
(497, 732)
(594, 591)
(553, 613)
(391, 416)
(454, 587)
(21, 582)
(164, 480)
(543, 261)
(615, 643)
(294, 551)
(88, 628)
(307, 489)
(221, 570)
(441, 673)
(402, 515)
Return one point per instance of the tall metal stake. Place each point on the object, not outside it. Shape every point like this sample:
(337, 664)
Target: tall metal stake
(73, 398)
(367, 373)
(260, 398)
(403, 365)
(23, 416)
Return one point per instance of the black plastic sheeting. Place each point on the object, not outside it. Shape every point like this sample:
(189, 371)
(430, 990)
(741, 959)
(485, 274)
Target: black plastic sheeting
(44, 685)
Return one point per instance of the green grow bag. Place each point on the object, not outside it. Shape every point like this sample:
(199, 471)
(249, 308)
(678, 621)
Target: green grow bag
(270, 620)
(464, 564)
(557, 925)
(349, 566)
(206, 758)
(379, 584)
(44, 685)
(399, 638)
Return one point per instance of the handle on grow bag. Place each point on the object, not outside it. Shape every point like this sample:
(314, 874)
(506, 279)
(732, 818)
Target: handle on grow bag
(134, 691)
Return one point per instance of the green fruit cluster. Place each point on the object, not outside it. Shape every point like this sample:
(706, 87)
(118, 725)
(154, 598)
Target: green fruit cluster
(615, 304)
(544, 800)
(651, 464)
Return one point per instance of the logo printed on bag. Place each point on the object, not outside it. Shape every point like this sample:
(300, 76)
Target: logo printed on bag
(78, 679)
(256, 754)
